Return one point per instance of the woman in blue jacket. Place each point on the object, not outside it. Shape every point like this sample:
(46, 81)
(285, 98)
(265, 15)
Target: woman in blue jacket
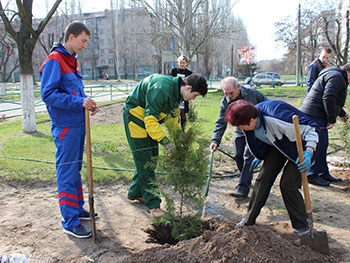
(269, 130)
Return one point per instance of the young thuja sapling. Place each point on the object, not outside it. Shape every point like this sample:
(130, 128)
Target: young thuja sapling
(182, 177)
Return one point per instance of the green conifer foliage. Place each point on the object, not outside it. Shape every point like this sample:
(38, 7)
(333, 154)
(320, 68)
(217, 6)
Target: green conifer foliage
(183, 179)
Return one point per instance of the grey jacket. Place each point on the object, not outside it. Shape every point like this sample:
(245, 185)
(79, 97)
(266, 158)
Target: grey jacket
(249, 94)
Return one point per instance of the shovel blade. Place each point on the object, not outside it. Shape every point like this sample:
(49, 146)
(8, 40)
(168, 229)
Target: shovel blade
(316, 240)
(92, 217)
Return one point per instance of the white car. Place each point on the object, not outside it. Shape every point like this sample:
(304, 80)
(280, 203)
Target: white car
(267, 79)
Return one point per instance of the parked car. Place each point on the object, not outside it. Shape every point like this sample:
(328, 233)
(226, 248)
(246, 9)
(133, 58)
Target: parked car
(258, 71)
(267, 79)
(274, 74)
(248, 81)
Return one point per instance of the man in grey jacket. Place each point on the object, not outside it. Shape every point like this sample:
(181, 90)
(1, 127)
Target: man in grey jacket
(234, 91)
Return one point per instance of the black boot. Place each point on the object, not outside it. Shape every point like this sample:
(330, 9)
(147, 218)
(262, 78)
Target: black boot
(317, 180)
(331, 179)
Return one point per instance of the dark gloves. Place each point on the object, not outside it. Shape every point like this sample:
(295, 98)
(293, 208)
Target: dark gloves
(306, 164)
(344, 118)
(254, 164)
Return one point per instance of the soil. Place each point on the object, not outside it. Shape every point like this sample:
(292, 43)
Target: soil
(30, 223)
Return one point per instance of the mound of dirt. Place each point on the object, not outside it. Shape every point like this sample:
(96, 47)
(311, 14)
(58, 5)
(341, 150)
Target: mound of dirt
(248, 244)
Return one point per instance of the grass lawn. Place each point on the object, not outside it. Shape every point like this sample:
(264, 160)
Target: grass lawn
(31, 157)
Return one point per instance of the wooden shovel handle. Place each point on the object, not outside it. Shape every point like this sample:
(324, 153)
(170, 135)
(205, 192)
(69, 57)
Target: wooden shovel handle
(88, 151)
(301, 159)
(89, 173)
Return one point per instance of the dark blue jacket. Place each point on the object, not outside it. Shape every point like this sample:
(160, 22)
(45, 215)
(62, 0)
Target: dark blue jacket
(313, 70)
(275, 117)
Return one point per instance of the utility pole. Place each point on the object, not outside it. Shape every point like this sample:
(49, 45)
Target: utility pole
(298, 62)
(232, 57)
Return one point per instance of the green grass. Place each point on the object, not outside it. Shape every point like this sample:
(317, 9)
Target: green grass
(31, 157)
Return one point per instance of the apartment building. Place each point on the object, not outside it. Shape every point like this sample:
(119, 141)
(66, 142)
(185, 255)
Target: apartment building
(118, 45)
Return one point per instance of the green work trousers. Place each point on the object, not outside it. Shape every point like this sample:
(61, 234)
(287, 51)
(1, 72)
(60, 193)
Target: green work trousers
(145, 152)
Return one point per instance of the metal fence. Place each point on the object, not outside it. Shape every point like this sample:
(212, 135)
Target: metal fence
(10, 100)
(10, 96)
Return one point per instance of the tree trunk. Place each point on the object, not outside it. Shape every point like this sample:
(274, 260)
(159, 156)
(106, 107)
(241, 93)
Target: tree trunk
(27, 101)
(26, 37)
(27, 91)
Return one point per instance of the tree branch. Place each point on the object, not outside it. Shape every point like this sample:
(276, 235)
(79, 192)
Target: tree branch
(46, 20)
(8, 27)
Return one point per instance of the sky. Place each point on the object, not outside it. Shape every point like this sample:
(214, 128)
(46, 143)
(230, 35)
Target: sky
(258, 16)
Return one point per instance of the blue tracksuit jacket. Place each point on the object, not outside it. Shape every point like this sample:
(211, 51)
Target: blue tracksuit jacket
(276, 118)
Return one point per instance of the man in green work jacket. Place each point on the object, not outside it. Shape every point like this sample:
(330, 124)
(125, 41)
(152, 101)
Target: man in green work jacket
(154, 100)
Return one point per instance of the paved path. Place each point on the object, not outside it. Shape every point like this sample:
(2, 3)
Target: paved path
(13, 108)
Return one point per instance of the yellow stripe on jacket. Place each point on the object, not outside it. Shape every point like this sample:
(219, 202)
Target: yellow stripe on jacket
(152, 124)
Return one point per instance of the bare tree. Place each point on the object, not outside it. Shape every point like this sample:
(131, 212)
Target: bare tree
(340, 44)
(314, 33)
(8, 57)
(219, 52)
(192, 23)
(19, 24)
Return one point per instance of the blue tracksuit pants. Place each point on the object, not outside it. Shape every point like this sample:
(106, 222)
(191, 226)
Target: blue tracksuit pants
(69, 155)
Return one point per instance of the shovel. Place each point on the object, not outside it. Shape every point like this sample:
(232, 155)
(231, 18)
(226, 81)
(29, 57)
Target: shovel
(208, 182)
(317, 240)
(89, 172)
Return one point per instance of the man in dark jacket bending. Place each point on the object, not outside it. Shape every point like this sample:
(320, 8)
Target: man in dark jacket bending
(323, 104)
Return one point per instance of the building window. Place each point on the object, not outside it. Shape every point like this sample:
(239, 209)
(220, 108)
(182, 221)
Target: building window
(110, 61)
(103, 62)
(102, 42)
(102, 51)
(100, 21)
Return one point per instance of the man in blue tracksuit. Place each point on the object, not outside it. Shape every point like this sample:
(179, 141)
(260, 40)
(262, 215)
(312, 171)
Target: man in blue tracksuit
(234, 91)
(62, 91)
(269, 130)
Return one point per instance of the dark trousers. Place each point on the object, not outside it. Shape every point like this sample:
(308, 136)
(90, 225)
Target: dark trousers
(320, 166)
(289, 185)
(243, 159)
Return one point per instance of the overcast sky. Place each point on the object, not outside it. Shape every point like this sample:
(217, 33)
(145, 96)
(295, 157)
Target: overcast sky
(259, 17)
